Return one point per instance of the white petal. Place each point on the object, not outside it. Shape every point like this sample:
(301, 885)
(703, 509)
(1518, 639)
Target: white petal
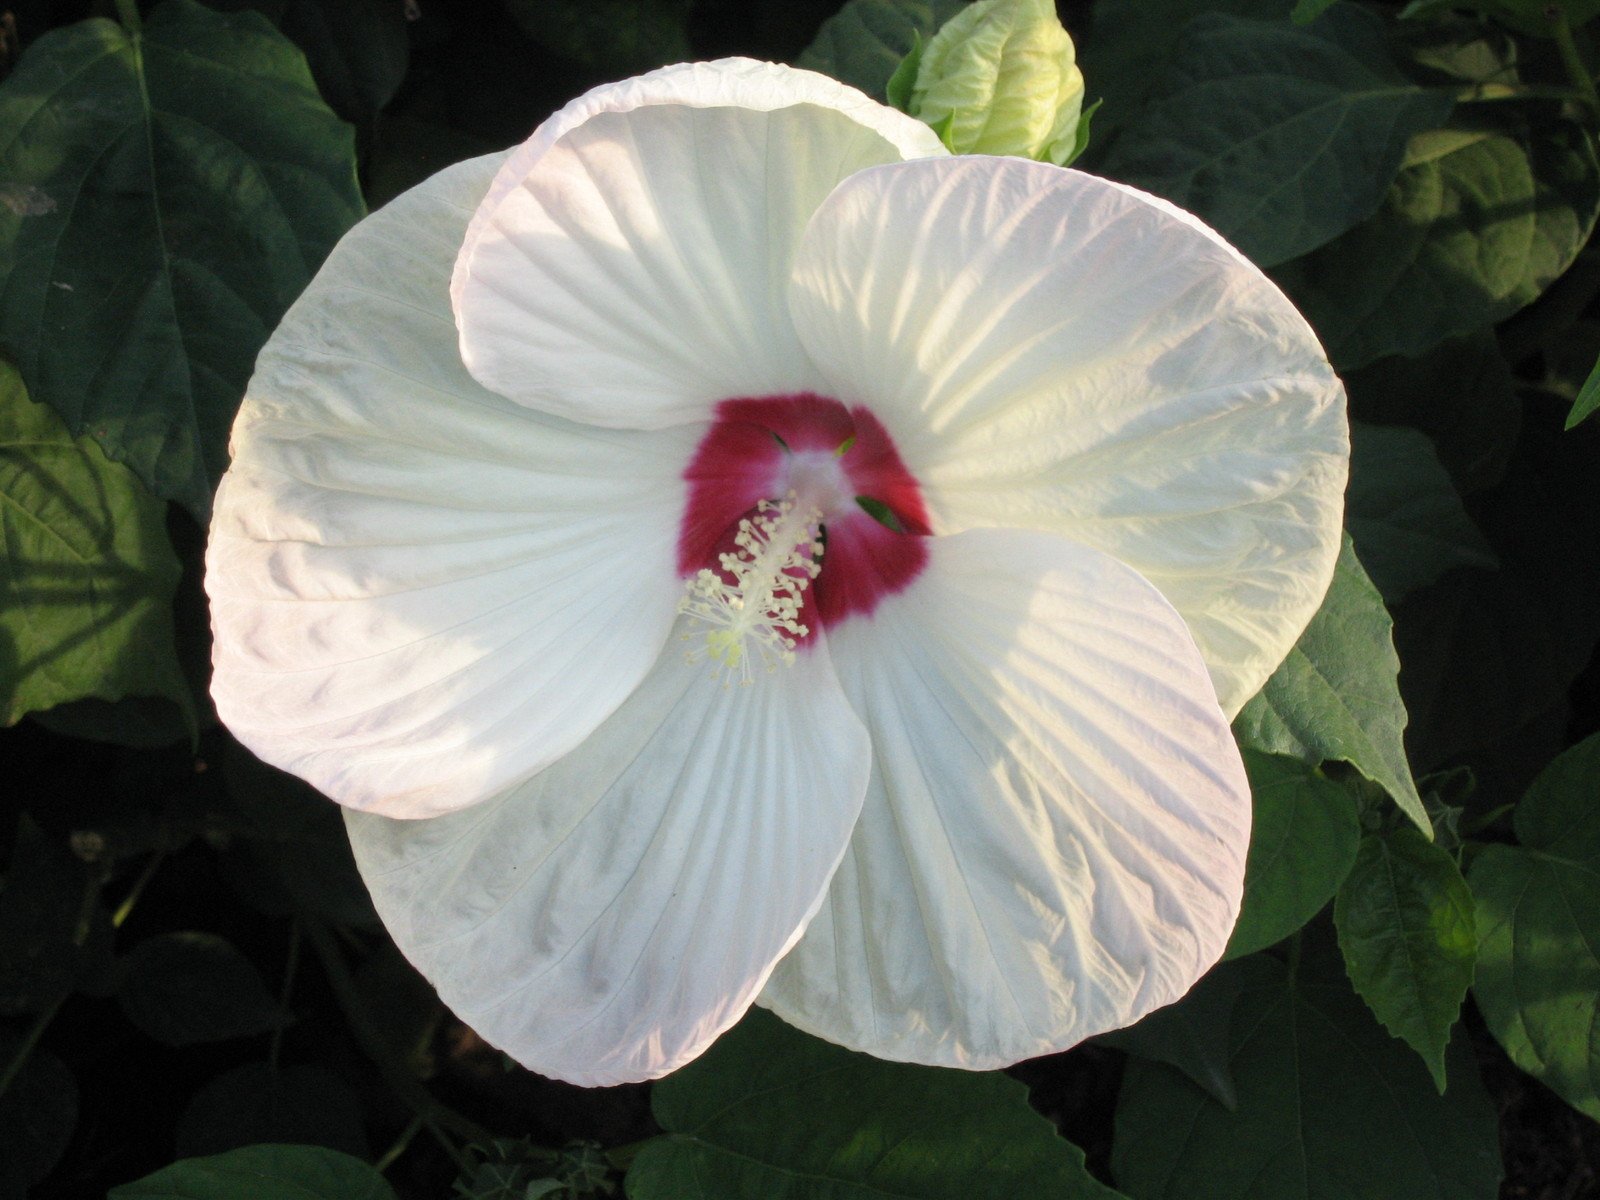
(628, 266)
(1056, 352)
(421, 592)
(1054, 836)
(605, 921)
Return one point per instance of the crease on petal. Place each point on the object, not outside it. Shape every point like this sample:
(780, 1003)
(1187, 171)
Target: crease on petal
(628, 264)
(1055, 788)
(1053, 351)
(604, 921)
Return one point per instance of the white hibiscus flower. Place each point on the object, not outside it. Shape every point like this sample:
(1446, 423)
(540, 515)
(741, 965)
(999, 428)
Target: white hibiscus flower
(1044, 479)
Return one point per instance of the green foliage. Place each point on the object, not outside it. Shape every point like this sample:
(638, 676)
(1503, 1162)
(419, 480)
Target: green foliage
(1302, 844)
(1191, 1035)
(262, 1102)
(183, 988)
(175, 191)
(618, 37)
(53, 937)
(864, 43)
(1404, 514)
(37, 1115)
(1336, 697)
(1329, 1107)
(1280, 136)
(1475, 226)
(1405, 921)
(770, 1112)
(1538, 979)
(1587, 401)
(262, 1173)
(87, 575)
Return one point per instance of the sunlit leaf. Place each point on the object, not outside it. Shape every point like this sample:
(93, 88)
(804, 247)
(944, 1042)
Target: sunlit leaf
(770, 1112)
(168, 194)
(1405, 921)
(1279, 136)
(1336, 696)
(87, 574)
(1538, 978)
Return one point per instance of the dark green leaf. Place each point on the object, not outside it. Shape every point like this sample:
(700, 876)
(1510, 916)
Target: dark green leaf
(1525, 16)
(1336, 697)
(50, 942)
(618, 37)
(1538, 979)
(1191, 1035)
(1588, 399)
(297, 1105)
(262, 1173)
(408, 151)
(1280, 136)
(1404, 513)
(1329, 1108)
(1302, 844)
(1405, 921)
(770, 1112)
(169, 194)
(184, 988)
(1307, 11)
(1475, 226)
(87, 574)
(866, 40)
(37, 1115)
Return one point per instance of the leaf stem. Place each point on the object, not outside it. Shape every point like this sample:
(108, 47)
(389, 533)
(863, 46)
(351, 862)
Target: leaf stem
(401, 1145)
(137, 890)
(435, 1117)
(1567, 48)
(128, 14)
(291, 964)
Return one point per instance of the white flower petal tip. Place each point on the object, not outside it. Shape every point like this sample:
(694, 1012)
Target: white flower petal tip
(628, 264)
(1054, 837)
(604, 922)
(1054, 351)
(422, 593)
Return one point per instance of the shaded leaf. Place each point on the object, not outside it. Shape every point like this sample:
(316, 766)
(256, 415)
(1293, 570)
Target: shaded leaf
(1404, 513)
(1280, 136)
(1538, 978)
(1329, 1107)
(49, 943)
(1474, 227)
(262, 1173)
(184, 988)
(768, 1111)
(1336, 696)
(1191, 1035)
(297, 1105)
(864, 41)
(1588, 399)
(184, 184)
(1405, 921)
(37, 1115)
(618, 37)
(87, 574)
(1302, 843)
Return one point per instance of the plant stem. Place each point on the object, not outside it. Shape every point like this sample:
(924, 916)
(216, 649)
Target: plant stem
(1567, 48)
(401, 1144)
(128, 14)
(435, 1117)
(137, 890)
(290, 965)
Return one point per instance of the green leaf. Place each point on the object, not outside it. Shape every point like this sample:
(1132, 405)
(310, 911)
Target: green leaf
(897, 92)
(1336, 696)
(1307, 11)
(1191, 1035)
(1302, 844)
(87, 574)
(1525, 16)
(618, 37)
(37, 1115)
(1080, 133)
(866, 40)
(1279, 136)
(1588, 399)
(1538, 978)
(1405, 921)
(1329, 1108)
(1403, 512)
(1475, 227)
(185, 988)
(262, 1173)
(169, 193)
(299, 1105)
(770, 1112)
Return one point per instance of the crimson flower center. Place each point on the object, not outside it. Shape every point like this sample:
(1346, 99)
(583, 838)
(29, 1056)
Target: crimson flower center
(798, 508)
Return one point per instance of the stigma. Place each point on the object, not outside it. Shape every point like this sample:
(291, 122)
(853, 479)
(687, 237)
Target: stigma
(752, 604)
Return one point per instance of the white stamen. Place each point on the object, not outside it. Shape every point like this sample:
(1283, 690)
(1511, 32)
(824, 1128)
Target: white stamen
(755, 614)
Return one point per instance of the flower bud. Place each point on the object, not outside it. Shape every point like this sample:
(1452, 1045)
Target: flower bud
(1000, 78)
